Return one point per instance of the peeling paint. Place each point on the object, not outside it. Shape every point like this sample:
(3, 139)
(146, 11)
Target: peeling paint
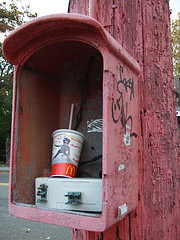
(121, 167)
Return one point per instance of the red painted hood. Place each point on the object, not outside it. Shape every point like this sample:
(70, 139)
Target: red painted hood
(35, 33)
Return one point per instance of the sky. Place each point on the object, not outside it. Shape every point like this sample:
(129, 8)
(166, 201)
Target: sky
(175, 7)
(44, 7)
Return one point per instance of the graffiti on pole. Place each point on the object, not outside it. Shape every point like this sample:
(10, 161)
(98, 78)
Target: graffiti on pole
(120, 106)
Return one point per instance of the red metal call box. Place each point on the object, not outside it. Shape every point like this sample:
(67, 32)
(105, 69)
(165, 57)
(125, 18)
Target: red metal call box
(59, 60)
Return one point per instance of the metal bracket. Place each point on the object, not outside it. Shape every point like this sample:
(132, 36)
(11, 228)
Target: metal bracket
(122, 211)
(74, 198)
(42, 192)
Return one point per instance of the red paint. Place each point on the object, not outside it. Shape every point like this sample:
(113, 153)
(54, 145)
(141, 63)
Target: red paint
(143, 29)
(45, 62)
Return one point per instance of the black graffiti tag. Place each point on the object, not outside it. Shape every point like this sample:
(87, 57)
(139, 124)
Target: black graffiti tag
(128, 84)
(120, 107)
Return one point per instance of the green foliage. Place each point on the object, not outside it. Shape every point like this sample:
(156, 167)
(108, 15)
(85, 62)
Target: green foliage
(176, 45)
(11, 16)
(6, 75)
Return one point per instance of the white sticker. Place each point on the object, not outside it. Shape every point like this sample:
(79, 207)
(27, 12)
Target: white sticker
(94, 125)
(127, 138)
(121, 167)
(128, 127)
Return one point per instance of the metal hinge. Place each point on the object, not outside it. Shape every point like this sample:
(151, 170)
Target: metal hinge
(42, 192)
(74, 198)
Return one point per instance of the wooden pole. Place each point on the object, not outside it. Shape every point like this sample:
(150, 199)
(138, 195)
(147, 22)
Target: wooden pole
(142, 27)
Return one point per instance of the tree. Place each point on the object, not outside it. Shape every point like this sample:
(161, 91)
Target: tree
(176, 45)
(11, 16)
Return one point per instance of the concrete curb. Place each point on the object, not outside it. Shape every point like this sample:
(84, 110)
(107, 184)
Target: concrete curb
(4, 169)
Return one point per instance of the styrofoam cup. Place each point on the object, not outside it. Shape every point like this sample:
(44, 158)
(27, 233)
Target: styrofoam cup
(66, 152)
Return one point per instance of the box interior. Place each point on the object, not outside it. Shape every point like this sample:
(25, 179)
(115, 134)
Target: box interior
(51, 79)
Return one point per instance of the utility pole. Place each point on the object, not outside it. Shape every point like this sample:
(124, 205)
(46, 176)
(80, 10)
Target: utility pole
(142, 27)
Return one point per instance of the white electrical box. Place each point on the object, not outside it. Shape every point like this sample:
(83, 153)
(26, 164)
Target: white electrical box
(77, 194)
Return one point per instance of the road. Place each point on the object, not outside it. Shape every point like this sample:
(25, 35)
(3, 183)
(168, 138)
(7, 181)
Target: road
(12, 228)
